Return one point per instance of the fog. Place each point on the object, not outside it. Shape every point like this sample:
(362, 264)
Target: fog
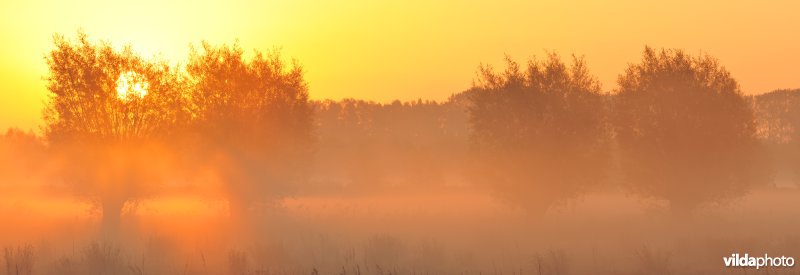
(225, 166)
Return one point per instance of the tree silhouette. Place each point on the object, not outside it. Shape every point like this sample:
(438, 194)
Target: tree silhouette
(778, 116)
(778, 127)
(103, 138)
(23, 159)
(685, 132)
(367, 145)
(539, 134)
(255, 117)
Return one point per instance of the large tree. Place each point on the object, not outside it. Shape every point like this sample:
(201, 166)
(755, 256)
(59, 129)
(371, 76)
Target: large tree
(254, 117)
(685, 132)
(107, 111)
(539, 132)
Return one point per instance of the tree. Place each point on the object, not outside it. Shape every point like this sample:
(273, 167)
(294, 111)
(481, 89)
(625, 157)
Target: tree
(23, 159)
(108, 110)
(540, 134)
(255, 117)
(367, 145)
(685, 132)
(777, 116)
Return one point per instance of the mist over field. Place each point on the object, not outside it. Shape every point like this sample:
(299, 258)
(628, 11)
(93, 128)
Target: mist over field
(223, 165)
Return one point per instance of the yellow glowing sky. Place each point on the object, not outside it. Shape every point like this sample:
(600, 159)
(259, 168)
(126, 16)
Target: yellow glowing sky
(384, 50)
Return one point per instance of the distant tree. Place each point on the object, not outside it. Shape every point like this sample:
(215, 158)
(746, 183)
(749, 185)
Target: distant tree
(777, 116)
(254, 115)
(368, 145)
(23, 158)
(107, 110)
(348, 150)
(539, 133)
(685, 132)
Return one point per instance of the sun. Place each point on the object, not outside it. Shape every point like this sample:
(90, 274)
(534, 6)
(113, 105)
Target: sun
(131, 85)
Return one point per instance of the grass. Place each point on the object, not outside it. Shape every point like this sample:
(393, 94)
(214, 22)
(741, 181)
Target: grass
(19, 260)
(380, 255)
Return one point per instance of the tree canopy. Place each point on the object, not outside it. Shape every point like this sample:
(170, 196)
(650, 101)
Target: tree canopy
(85, 105)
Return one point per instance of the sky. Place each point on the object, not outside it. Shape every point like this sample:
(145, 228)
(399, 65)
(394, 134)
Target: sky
(386, 50)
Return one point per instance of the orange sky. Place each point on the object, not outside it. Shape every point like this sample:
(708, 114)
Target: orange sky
(384, 50)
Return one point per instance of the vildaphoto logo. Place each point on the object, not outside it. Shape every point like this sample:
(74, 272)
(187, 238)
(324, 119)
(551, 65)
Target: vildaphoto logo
(735, 260)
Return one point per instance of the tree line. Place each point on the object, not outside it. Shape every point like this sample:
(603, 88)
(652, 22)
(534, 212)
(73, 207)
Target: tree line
(677, 127)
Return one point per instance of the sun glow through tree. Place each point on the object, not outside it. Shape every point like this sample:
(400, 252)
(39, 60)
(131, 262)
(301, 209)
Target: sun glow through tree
(131, 85)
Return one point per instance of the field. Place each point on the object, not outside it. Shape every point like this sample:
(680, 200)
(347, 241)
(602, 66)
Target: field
(455, 231)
